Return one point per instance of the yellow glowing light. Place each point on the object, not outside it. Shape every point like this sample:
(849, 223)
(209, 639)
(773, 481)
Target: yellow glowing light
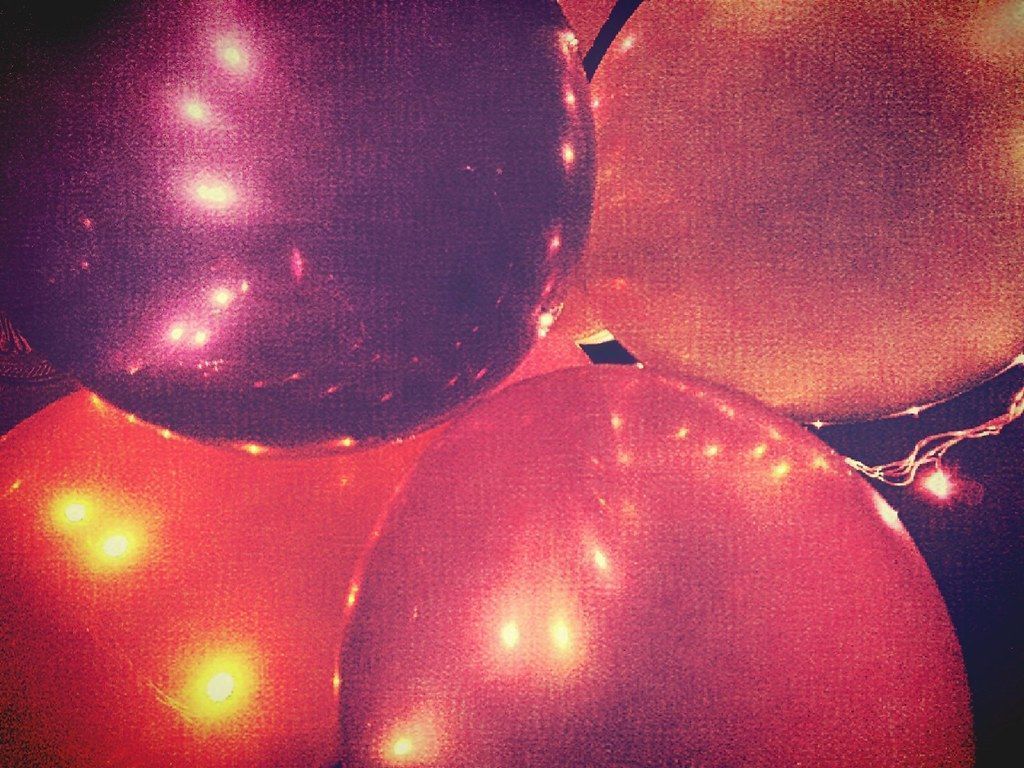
(222, 297)
(820, 462)
(568, 154)
(220, 687)
(560, 635)
(616, 421)
(570, 99)
(624, 458)
(347, 442)
(682, 432)
(97, 403)
(176, 333)
(221, 684)
(244, 287)
(166, 434)
(232, 56)
(780, 470)
(401, 747)
(215, 195)
(75, 512)
(115, 546)
(938, 484)
(712, 450)
(253, 449)
(759, 451)
(510, 634)
(627, 44)
(194, 110)
(200, 338)
(353, 593)
(600, 560)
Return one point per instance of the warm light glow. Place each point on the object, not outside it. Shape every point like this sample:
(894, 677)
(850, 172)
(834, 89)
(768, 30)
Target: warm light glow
(560, 636)
(627, 43)
(510, 634)
(253, 449)
(401, 747)
(712, 450)
(600, 559)
(220, 687)
(115, 546)
(176, 333)
(213, 194)
(413, 742)
(570, 99)
(616, 421)
(75, 512)
(200, 338)
(222, 297)
(759, 451)
(194, 110)
(682, 432)
(780, 470)
(544, 323)
(346, 442)
(221, 684)
(232, 56)
(568, 154)
(938, 483)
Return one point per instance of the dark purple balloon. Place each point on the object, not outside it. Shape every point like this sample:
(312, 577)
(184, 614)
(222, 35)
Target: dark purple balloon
(289, 223)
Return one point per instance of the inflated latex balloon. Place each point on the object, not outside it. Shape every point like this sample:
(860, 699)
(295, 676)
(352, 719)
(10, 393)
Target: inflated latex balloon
(602, 567)
(166, 603)
(289, 224)
(818, 203)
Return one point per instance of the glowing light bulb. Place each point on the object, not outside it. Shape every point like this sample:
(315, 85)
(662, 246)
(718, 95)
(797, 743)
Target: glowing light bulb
(780, 470)
(213, 194)
(253, 449)
(600, 560)
(220, 687)
(570, 99)
(200, 338)
(75, 512)
(232, 56)
(115, 545)
(194, 110)
(401, 747)
(176, 333)
(222, 297)
(938, 483)
(510, 634)
(560, 636)
(568, 154)
(616, 421)
(710, 451)
(544, 323)
(759, 451)
(627, 44)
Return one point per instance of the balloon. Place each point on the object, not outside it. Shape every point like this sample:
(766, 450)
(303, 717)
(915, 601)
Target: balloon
(168, 603)
(287, 225)
(818, 203)
(603, 567)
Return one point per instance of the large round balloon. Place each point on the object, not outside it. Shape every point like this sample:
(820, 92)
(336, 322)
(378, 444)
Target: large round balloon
(603, 567)
(819, 203)
(166, 603)
(287, 223)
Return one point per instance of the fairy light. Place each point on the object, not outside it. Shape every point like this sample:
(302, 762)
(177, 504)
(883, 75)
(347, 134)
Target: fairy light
(560, 635)
(194, 110)
(938, 483)
(232, 56)
(221, 682)
(510, 634)
(932, 449)
(176, 333)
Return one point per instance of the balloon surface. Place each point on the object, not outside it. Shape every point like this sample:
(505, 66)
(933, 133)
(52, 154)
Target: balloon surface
(288, 224)
(168, 603)
(818, 203)
(603, 567)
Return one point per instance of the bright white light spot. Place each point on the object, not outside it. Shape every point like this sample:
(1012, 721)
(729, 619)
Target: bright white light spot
(780, 470)
(194, 110)
(115, 545)
(627, 44)
(568, 154)
(560, 636)
(712, 450)
(75, 512)
(220, 687)
(232, 56)
(938, 484)
(176, 333)
(759, 451)
(682, 432)
(600, 560)
(215, 195)
(510, 634)
(401, 747)
(200, 338)
(222, 297)
(616, 421)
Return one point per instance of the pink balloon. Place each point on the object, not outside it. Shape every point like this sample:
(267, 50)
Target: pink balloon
(603, 567)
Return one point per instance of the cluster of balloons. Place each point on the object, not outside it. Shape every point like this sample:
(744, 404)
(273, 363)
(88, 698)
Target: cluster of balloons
(338, 225)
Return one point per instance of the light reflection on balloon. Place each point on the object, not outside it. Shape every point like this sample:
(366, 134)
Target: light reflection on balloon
(245, 232)
(605, 563)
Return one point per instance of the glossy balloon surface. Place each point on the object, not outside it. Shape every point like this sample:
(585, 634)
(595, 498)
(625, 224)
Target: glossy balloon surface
(167, 603)
(293, 223)
(601, 567)
(818, 203)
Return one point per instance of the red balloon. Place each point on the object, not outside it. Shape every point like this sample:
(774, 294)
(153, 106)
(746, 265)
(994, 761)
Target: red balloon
(166, 603)
(292, 223)
(230, 564)
(603, 567)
